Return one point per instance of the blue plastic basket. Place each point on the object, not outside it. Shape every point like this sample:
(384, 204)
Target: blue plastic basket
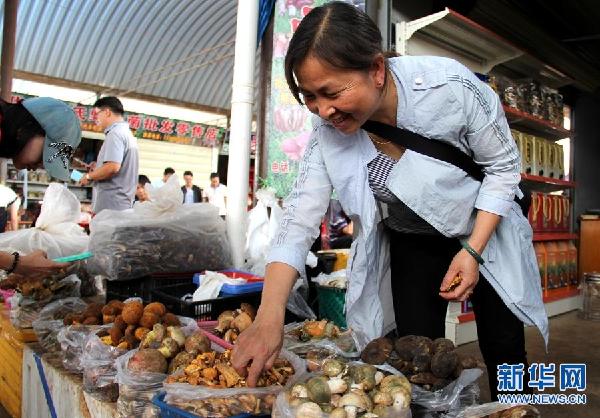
(169, 411)
(254, 284)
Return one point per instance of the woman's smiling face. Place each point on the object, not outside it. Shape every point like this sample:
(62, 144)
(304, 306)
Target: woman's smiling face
(346, 98)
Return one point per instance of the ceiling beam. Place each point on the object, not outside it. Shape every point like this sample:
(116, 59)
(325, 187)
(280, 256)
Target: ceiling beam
(40, 78)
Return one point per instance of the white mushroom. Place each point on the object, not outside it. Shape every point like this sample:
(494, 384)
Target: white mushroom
(382, 398)
(352, 404)
(391, 381)
(378, 377)
(401, 397)
(309, 410)
(337, 385)
(332, 367)
(299, 391)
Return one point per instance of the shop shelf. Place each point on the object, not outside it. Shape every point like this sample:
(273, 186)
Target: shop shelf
(554, 236)
(546, 184)
(31, 183)
(530, 124)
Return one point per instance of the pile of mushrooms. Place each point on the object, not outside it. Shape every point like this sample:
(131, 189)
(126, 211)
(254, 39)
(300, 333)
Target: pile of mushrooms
(350, 390)
(230, 324)
(431, 364)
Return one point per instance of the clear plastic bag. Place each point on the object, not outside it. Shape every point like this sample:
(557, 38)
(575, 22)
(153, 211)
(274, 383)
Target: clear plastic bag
(263, 221)
(28, 308)
(457, 395)
(283, 409)
(99, 372)
(50, 321)
(72, 340)
(136, 390)
(297, 300)
(161, 235)
(100, 363)
(221, 403)
(344, 345)
(56, 230)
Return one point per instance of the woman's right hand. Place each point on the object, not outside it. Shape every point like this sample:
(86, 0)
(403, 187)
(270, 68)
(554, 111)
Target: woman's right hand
(37, 264)
(258, 347)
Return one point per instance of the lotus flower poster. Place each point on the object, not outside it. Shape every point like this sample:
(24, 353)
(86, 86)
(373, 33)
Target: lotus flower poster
(288, 125)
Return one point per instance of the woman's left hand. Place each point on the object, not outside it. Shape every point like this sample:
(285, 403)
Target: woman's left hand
(464, 264)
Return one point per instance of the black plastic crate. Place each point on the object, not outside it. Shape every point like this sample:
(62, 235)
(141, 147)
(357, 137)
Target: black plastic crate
(206, 310)
(143, 287)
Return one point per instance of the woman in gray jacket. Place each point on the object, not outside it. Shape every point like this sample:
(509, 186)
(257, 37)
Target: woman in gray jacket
(425, 220)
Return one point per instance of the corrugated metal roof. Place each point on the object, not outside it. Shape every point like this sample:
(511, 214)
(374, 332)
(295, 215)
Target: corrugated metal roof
(175, 49)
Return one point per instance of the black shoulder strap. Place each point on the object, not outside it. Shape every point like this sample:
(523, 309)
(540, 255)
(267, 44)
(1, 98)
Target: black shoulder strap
(426, 146)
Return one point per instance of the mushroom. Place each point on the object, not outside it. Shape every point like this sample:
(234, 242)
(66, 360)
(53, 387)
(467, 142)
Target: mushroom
(363, 376)
(177, 334)
(331, 330)
(309, 410)
(168, 347)
(391, 381)
(230, 336)
(249, 309)
(299, 391)
(333, 367)
(382, 398)
(154, 338)
(224, 322)
(335, 400)
(377, 351)
(241, 322)
(443, 363)
(401, 397)
(354, 403)
(337, 385)
(442, 344)
(318, 390)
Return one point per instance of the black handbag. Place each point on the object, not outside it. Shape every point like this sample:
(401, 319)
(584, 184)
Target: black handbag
(440, 151)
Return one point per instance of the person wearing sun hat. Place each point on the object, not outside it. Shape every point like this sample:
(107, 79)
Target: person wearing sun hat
(41, 131)
(36, 132)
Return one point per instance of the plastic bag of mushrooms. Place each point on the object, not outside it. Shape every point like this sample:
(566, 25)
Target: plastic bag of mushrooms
(234, 399)
(347, 390)
(158, 236)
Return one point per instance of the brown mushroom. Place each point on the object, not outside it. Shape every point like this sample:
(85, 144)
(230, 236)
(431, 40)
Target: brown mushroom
(377, 351)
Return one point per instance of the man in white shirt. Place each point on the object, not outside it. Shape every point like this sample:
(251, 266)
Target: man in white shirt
(216, 194)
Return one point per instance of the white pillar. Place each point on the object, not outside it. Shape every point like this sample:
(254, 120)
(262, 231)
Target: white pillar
(242, 98)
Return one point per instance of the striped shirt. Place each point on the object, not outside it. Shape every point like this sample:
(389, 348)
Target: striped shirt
(401, 217)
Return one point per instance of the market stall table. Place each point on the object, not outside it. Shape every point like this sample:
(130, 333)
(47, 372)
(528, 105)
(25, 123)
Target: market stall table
(12, 341)
(65, 390)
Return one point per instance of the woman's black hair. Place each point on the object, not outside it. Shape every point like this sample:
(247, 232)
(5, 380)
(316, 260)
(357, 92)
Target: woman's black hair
(18, 127)
(337, 33)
